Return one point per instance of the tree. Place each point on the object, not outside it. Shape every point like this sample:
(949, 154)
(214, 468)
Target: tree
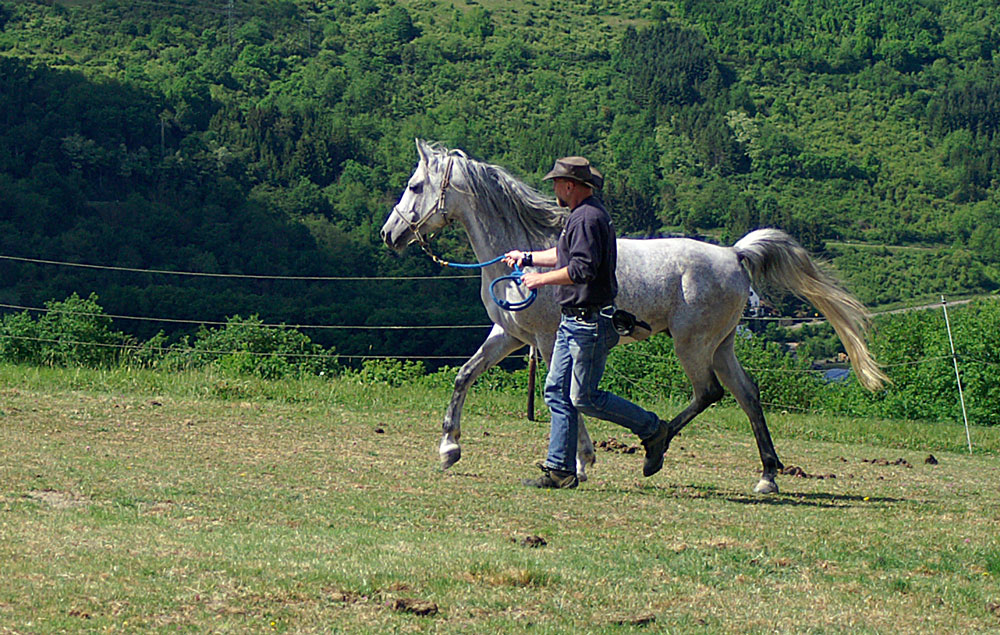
(398, 25)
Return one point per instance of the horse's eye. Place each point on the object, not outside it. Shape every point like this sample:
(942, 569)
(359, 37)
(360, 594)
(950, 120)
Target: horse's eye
(417, 188)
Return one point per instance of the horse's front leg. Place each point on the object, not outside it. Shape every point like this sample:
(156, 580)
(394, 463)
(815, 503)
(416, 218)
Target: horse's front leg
(497, 346)
(585, 453)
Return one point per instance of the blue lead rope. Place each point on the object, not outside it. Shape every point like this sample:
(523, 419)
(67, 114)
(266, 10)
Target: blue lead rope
(515, 276)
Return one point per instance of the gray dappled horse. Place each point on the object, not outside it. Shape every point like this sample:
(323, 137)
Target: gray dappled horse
(694, 291)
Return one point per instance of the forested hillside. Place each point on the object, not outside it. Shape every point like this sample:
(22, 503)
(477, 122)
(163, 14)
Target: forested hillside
(272, 137)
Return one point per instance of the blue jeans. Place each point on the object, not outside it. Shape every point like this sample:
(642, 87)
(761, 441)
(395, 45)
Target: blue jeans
(578, 360)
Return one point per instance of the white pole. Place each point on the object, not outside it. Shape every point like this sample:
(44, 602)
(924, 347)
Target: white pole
(958, 379)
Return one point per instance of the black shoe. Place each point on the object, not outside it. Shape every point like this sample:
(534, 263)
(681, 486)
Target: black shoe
(656, 446)
(553, 479)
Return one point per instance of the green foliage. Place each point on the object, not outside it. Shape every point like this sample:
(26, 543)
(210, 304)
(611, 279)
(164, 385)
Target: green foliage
(74, 332)
(275, 143)
(390, 372)
(882, 276)
(398, 25)
(915, 349)
(249, 348)
(666, 65)
(477, 23)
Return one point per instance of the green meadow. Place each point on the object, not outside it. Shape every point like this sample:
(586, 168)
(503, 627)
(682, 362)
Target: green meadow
(140, 501)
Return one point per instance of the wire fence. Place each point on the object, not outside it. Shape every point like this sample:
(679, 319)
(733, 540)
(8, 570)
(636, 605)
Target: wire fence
(235, 276)
(137, 347)
(282, 325)
(383, 327)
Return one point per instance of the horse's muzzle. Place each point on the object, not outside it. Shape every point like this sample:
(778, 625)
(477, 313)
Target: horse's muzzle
(396, 236)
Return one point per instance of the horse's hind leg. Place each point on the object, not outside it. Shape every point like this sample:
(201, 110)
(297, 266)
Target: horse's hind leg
(731, 374)
(706, 388)
(497, 346)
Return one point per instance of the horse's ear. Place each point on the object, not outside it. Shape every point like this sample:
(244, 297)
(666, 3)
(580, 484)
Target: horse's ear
(423, 150)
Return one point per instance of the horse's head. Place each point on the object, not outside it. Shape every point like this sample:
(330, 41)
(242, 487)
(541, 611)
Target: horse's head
(423, 207)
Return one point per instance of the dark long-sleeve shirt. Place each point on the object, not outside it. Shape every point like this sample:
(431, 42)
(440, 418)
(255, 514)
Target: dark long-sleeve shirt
(588, 249)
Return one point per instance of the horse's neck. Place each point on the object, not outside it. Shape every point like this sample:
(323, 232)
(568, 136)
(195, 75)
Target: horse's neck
(491, 236)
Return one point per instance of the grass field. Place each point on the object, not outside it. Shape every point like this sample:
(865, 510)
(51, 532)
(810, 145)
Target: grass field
(155, 502)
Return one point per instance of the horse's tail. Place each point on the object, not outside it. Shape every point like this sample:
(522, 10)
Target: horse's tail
(774, 256)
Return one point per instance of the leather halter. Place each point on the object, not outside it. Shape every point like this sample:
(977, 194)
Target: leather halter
(439, 208)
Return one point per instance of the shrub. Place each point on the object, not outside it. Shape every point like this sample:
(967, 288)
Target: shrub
(392, 372)
(247, 347)
(74, 332)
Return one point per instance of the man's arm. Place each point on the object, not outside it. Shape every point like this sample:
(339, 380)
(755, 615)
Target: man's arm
(546, 258)
(556, 276)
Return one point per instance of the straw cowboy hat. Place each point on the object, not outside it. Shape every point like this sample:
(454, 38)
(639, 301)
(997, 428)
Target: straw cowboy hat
(578, 169)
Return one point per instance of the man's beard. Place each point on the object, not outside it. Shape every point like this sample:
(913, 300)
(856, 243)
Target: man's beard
(562, 203)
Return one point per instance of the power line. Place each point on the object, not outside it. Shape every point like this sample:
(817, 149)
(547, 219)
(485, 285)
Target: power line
(204, 274)
(162, 349)
(18, 307)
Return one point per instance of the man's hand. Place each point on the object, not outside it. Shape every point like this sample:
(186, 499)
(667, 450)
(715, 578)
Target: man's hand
(514, 257)
(533, 280)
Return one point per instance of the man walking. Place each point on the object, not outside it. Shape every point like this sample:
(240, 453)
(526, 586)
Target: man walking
(584, 261)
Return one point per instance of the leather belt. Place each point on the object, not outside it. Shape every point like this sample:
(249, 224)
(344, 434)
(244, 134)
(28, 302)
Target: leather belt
(588, 313)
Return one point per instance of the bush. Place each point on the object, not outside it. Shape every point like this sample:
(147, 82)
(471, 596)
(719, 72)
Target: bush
(392, 372)
(915, 350)
(74, 332)
(246, 347)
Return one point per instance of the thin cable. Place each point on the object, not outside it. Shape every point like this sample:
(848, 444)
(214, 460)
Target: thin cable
(203, 274)
(800, 408)
(161, 349)
(216, 323)
(662, 358)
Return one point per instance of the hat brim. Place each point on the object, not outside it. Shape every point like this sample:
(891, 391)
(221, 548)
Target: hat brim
(558, 174)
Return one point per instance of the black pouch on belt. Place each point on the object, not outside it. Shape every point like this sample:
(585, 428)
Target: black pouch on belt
(628, 325)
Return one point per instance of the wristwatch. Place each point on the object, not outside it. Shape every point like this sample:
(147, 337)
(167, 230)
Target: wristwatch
(526, 260)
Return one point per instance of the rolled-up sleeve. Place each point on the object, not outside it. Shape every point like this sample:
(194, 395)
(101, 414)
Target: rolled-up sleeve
(586, 250)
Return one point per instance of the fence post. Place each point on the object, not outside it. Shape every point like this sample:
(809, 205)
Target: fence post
(958, 378)
(532, 369)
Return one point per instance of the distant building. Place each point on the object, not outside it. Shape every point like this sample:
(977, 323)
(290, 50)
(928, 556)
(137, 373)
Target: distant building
(754, 307)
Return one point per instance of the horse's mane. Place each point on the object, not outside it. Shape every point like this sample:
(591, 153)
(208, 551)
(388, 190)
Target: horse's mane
(498, 193)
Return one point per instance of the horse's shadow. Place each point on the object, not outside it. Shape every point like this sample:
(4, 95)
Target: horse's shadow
(794, 499)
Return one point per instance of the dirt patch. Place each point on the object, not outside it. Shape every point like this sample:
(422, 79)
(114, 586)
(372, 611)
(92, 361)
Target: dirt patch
(529, 541)
(161, 508)
(344, 597)
(58, 500)
(633, 620)
(614, 445)
(899, 461)
(413, 605)
(794, 470)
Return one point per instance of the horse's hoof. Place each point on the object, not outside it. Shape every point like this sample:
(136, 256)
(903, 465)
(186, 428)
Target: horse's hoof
(450, 457)
(766, 486)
